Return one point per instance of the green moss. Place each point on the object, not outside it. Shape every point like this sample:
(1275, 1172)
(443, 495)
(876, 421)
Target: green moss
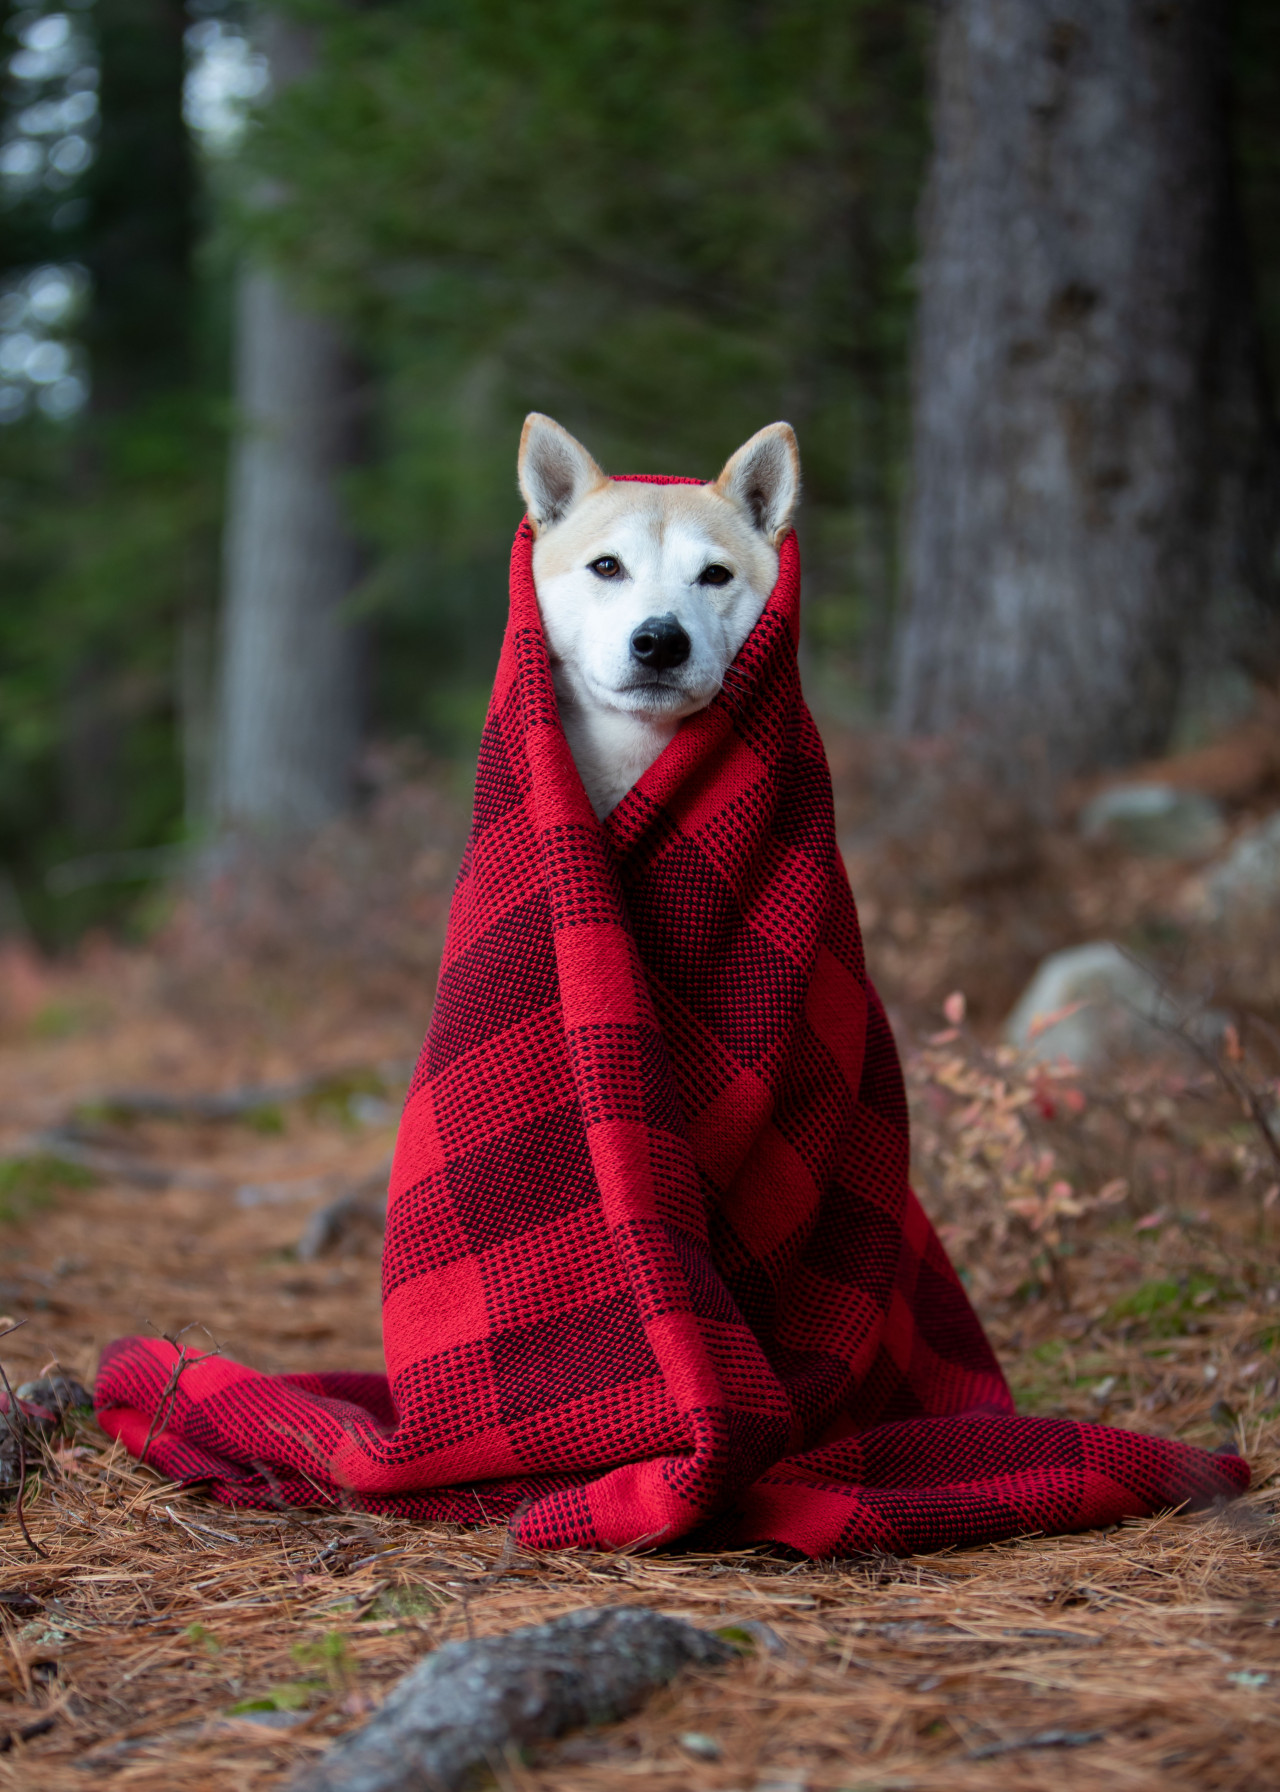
(1163, 1307)
(28, 1184)
(291, 1695)
(333, 1099)
(267, 1119)
(405, 1602)
(59, 1020)
(203, 1639)
(1040, 1380)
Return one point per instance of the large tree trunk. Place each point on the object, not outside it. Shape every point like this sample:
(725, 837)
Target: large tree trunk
(1092, 448)
(290, 686)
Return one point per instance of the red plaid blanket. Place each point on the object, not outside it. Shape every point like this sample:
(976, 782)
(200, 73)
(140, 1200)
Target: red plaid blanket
(652, 1261)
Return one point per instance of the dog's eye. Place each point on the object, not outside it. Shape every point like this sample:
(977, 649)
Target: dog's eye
(714, 575)
(606, 567)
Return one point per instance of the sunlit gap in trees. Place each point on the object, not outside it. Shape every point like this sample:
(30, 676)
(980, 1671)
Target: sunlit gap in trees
(50, 122)
(48, 131)
(224, 74)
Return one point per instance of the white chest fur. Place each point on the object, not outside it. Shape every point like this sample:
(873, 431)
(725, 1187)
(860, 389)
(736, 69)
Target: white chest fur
(612, 750)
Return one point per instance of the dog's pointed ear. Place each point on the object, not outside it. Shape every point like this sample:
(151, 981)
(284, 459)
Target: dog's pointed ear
(554, 469)
(763, 478)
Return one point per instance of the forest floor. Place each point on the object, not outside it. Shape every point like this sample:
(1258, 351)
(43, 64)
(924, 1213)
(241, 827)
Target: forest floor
(1118, 1234)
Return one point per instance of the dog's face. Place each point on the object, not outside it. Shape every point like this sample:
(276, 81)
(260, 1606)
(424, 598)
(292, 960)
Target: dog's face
(648, 591)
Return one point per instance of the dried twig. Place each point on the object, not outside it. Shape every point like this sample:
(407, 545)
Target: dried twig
(169, 1394)
(1184, 1029)
(1249, 1098)
(1043, 1739)
(238, 1104)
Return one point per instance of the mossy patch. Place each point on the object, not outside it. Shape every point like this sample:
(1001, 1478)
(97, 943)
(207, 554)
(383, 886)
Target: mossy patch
(291, 1695)
(28, 1184)
(1164, 1308)
(405, 1602)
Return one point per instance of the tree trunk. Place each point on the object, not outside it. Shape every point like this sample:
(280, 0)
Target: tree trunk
(1083, 474)
(290, 685)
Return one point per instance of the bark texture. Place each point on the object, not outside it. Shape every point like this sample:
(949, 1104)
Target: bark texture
(463, 1708)
(290, 685)
(290, 682)
(1094, 472)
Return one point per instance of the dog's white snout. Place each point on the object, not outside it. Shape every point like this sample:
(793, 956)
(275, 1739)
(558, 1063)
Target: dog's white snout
(659, 643)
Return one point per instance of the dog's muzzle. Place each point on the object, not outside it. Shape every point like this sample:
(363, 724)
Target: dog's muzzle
(659, 643)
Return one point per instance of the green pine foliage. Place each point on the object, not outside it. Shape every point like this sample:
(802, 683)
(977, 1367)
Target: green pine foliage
(108, 548)
(109, 519)
(664, 225)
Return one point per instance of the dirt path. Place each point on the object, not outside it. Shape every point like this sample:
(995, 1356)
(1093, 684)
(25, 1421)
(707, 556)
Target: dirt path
(162, 1642)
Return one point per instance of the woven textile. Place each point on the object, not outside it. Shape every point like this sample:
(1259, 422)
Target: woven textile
(652, 1261)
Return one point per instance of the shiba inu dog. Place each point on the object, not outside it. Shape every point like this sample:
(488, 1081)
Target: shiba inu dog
(647, 591)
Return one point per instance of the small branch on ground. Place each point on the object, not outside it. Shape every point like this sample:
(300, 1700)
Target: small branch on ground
(122, 1166)
(84, 1138)
(165, 1403)
(1044, 1739)
(241, 1103)
(470, 1704)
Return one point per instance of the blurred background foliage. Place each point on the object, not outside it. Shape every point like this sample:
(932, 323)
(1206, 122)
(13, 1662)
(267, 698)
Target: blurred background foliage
(663, 225)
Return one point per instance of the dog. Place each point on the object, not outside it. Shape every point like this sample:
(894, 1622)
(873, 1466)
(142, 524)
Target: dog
(647, 592)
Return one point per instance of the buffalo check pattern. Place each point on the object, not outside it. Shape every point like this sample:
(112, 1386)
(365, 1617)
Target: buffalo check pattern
(652, 1264)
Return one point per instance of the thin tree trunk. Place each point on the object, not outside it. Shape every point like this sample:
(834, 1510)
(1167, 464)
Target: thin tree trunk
(1066, 522)
(290, 685)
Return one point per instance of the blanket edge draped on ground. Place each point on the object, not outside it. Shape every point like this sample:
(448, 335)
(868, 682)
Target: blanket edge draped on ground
(653, 1267)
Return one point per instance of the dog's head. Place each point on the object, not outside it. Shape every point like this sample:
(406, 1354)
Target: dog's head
(648, 591)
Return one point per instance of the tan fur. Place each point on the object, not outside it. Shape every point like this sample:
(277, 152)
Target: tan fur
(698, 506)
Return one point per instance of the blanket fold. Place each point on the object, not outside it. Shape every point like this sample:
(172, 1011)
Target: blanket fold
(653, 1264)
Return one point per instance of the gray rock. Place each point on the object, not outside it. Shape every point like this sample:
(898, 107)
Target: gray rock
(464, 1707)
(1249, 875)
(361, 1208)
(1118, 1008)
(1156, 819)
(57, 1393)
(36, 1410)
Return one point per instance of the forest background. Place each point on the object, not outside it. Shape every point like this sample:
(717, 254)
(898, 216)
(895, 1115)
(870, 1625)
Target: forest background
(664, 225)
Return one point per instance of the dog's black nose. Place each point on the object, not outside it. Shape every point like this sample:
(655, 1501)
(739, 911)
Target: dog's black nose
(660, 643)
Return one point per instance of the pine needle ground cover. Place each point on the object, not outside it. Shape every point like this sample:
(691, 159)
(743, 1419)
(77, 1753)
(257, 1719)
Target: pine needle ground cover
(1119, 1235)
